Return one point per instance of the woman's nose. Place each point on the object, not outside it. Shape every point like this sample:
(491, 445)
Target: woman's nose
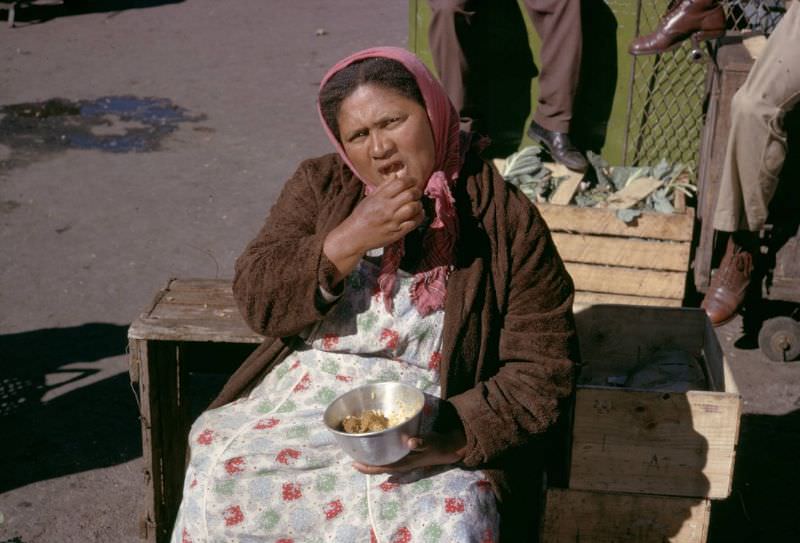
(381, 146)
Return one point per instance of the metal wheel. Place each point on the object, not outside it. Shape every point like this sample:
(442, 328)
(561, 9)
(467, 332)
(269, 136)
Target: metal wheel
(779, 339)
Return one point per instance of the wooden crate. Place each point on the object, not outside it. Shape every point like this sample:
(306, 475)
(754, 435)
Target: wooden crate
(628, 440)
(644, 262)
(599, 517)
(192, 327)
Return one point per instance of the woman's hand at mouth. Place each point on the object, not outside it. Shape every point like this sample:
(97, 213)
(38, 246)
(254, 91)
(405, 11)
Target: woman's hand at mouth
(384, 216)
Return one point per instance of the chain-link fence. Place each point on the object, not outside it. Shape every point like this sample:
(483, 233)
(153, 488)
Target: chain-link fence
(666, 91)
(754, 15)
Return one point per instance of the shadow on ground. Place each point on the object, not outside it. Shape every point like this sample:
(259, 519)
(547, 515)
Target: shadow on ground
(762, 506)
(58, 410)
(29, 12)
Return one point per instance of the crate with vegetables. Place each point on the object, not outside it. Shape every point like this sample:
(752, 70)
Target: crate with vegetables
(624, 232)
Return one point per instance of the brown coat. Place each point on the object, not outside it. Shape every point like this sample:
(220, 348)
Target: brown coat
(509, 346)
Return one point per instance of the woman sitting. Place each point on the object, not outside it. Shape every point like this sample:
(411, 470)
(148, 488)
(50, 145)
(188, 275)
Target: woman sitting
(403, 257)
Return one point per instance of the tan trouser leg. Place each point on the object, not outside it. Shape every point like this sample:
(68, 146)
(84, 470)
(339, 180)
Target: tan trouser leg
(757, 141)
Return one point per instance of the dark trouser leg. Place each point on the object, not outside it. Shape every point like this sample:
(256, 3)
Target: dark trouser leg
(558, 23)
(448, 32)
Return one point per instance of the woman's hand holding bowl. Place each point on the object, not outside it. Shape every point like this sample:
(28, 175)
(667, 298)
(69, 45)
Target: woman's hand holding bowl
(433, 449)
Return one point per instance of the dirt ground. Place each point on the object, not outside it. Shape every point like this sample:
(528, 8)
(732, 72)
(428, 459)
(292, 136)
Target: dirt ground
(98, 213)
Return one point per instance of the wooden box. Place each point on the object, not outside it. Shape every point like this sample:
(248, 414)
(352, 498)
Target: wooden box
(644, 262)
(191, 330)
(599, 517)
(645, 441)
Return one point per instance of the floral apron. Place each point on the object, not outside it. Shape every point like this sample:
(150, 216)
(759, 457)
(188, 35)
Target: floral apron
(265, 469)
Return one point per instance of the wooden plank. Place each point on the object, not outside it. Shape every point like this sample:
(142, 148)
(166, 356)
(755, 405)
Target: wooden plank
(197, 291)
(632, 193)
(160, 415)
(567, 188)
(192, 313)
(194, 310)
(585, 299)
(618, 280)
(138, 365)
(587, 220)
(591, 517)
(679, 198)
(617, 337)
(717, 367)
(680, 444)
(201, 330)
(629, 252)
(199, 298)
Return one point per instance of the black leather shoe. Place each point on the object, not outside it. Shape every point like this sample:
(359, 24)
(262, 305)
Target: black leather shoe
(560, 147)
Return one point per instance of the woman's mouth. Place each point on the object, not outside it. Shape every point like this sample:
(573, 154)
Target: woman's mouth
(393, 169)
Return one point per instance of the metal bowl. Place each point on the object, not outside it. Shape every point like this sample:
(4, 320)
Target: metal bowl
(384, 446)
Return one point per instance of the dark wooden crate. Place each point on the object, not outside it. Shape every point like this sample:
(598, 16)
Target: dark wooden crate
(182, 348)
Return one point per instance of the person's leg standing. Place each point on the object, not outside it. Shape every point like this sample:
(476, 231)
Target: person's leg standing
(449, 31)
(754, 158)
(558, 23)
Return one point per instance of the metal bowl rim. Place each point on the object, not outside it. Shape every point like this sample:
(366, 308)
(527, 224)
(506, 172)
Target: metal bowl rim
(378, 432)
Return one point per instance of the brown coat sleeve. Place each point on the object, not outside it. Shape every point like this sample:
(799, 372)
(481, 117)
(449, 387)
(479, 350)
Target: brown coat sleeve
(537, 348)
(276, 278)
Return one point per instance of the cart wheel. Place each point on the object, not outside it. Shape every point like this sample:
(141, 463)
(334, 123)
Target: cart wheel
(779, 339)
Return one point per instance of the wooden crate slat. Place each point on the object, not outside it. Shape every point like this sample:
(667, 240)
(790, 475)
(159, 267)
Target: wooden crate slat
(217, 330)
(584, 299)
(198, 298)
(140, 375)
(586, 220)
(186, 312)
(628, 252)
(158, 386)
(566, 189)
(679, 444)
(573, 515)
(618, 280)
(632, 193)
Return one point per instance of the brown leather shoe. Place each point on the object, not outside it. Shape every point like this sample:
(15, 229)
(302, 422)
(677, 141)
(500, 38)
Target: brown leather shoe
(729, 284)
(698, 19)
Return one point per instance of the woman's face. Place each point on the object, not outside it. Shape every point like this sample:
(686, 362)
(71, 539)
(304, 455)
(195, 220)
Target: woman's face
(386, 135)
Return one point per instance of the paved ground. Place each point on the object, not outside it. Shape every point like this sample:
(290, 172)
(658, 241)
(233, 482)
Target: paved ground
(89, 235)
(93, 223)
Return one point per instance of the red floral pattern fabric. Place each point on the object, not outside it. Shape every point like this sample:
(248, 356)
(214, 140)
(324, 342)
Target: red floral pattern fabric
(265, 468)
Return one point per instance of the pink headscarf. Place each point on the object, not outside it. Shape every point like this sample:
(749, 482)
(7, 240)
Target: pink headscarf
(429, 287)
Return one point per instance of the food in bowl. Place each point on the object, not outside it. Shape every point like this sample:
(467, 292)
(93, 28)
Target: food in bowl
(371, 420)
(399, 403)
(374, 420)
